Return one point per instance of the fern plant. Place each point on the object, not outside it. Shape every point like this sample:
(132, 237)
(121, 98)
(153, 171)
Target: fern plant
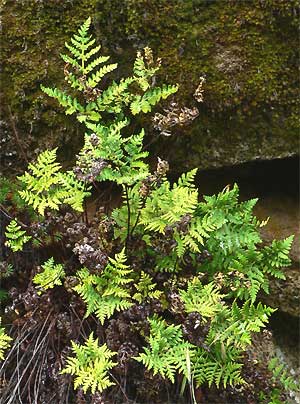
(155, 209)
(235, 325)
(183, 275)
(47, 187)
(107, 292)
(166, 205)
(123, 156)
(87, 76)
(167, 351)
(15, 236)
(146, 289)
(90, 365)
(212, 370)
(203, 299)
(283, 384)
(51, 275)
(280, 373)
(229, 334)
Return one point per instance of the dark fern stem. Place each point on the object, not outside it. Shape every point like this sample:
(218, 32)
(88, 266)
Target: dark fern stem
(138, 215)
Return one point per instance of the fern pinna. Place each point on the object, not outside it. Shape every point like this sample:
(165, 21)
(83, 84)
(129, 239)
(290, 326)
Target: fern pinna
(183, 274)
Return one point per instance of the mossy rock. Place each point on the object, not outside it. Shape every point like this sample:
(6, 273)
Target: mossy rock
(247, 52)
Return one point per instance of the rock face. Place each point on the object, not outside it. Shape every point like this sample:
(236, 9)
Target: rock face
(285, 295)
(251, 89)
(284, 221)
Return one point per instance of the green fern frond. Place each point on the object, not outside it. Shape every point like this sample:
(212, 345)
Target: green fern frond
(96, 62)
(187, 179)
(50, 276)
(124, 157)
(166, 353)
(206, 300)
(276, 256)
(15, 236)
(144, 68)
(214, 372)
(69, 60)
(280, 373)
(150, 98)
(6, 270)
(4, 341)
(83, 29)
(139, 67)
(256, 279)
(234, 326)
(108, 292)
(90, 365)
(199, 231)
(81, 42)
(165, 206)
(146, 289)
(113, 99)
(47, 187)
(71, 105)
(75, 191)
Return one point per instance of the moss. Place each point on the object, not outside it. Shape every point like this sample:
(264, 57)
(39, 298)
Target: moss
(34, 33)
(251, 89)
